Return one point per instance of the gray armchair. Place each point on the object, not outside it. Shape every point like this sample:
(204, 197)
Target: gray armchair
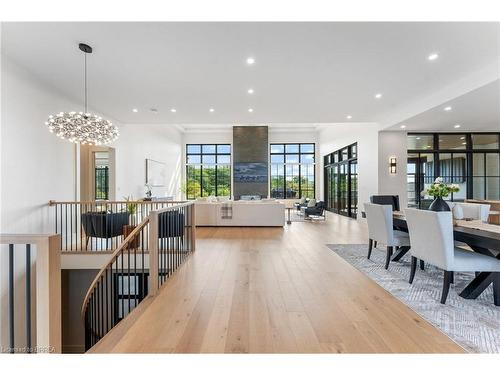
(318, 210)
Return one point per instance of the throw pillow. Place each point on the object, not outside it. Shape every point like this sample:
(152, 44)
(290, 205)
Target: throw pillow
(311, 203)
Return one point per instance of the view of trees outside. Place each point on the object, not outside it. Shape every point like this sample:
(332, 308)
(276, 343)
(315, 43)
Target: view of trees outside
(292, 170)
(208, 171)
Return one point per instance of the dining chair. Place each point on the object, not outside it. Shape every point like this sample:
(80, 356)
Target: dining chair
(380, 229)
(431, 235)
(474, 211)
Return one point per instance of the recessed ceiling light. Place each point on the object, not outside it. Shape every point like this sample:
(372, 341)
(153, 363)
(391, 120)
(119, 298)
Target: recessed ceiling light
(135, 110)
(418, 138)
(211, 110)
(464, 143)
(432, 56)
(456, 126)
(250, 91)
(348, 117)
(447, 108)
(250, 61)
(173, 110)
(250, 110)
(462, 138)
(378, 96)
(403, 126)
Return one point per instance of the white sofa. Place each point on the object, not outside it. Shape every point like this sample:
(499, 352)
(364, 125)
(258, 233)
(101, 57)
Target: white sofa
(240, 214)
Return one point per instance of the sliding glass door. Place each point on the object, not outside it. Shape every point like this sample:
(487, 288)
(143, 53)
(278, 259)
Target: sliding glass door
(341, 181)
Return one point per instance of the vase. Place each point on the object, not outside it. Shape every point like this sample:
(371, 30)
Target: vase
(439, 205)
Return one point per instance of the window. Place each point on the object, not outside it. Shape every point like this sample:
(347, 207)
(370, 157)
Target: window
(293, 170)
(101, 175)
(208, 170)
(469, 160)
(341, 181)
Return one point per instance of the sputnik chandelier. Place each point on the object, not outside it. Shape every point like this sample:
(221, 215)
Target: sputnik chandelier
(83, 127)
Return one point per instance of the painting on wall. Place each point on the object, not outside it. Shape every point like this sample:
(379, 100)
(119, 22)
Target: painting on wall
(156, 173)
(250, 172)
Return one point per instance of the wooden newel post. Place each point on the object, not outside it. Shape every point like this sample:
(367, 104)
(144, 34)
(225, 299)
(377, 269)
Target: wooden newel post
(153, 253)
(48, 295)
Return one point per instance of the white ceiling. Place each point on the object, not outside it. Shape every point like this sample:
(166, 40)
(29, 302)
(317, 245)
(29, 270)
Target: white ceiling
(478, 110)
(304, 72)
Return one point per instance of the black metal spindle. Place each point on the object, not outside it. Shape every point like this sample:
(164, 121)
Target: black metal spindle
(66, 226)
(11, 297)
(135, 273)
(28, 297)
(142, 265)
(107, 299)
(71, 226)
(128, 278)
(122, 286)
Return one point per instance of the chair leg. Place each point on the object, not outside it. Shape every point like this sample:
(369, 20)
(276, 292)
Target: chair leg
(422, 264)
(413, 269)
(374, 243)
(446, 286)
(388, 256)
(370, 247)
(452, 277)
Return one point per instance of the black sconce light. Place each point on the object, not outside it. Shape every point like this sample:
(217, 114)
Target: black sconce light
(392, 165)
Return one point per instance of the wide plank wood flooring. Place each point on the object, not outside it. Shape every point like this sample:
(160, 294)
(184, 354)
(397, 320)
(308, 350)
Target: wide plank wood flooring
(275, 290)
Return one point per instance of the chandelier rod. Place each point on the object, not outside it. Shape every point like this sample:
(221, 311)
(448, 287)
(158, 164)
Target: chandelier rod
(85, 79)
(86, 49)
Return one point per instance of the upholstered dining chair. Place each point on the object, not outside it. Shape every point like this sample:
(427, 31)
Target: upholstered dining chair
(474, 211)
(380, 229)
(431, 235)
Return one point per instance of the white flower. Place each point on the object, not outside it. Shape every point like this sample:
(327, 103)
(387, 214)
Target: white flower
(438, 180)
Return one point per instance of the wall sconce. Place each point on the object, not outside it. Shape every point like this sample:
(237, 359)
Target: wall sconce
(392, 165)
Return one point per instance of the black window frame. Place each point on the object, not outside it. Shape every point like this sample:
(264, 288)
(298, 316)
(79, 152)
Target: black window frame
(216, 164)
(101, 177)
(469, 151)
(284, 154)
(335, 160)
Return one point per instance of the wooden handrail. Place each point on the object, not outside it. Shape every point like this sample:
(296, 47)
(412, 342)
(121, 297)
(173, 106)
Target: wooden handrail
(53, 202)
(114, 256)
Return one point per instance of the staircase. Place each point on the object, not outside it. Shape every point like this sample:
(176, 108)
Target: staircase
(142, 263)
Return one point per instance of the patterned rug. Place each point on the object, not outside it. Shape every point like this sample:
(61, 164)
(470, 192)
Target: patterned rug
(473, 324)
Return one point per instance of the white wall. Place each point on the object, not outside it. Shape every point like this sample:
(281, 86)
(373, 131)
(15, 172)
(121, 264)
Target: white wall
(137, 143)
(392, 144)
(36, 166)
(336, 136)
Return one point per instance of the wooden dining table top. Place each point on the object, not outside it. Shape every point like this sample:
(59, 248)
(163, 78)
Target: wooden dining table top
(467, 228)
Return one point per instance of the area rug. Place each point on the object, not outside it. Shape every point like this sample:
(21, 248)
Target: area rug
(473, 324)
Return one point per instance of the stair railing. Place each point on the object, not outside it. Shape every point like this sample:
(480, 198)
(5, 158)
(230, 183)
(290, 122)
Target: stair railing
(41, 293)
(145, 259)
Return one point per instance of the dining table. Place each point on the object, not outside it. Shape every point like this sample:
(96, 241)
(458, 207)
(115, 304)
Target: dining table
(480, 237)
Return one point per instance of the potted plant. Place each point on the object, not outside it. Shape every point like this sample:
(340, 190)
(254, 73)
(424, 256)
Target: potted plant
(438, 190)
(131, 208)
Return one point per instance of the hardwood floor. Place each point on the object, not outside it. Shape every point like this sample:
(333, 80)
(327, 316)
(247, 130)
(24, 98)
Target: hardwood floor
(275, 290)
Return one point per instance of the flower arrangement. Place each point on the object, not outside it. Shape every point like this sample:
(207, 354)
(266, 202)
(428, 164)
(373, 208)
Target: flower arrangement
(439, 189)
